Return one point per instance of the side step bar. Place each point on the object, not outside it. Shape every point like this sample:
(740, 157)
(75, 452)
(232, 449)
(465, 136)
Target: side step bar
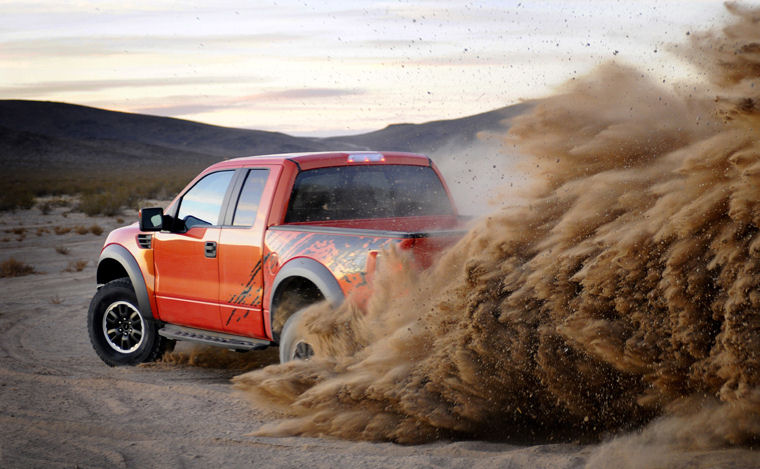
(220, 339)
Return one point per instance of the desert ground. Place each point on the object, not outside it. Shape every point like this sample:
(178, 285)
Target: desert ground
(60, 406)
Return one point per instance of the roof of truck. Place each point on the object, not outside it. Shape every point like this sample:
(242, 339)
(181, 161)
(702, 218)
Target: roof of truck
(331, 158)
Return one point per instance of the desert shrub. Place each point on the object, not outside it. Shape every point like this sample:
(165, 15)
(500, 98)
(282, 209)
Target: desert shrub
(11, 199)
(48, 205)
(111, 198)
(101, 191)
(56, 300)
(96, 230)
(13, 268)
(76, 266)
(82, 230)
(62, 250)
(62, 230)
(108, 204)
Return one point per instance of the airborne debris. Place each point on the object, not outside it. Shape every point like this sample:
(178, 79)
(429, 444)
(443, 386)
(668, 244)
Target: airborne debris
(627, 289)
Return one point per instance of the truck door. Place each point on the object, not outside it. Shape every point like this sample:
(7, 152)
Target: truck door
(187, 262)
(240, 255)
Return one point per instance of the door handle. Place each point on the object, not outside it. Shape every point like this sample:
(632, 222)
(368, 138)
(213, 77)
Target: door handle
(210, 248)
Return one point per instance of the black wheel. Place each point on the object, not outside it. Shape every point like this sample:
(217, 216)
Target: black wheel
(292, 345)
(119, 332)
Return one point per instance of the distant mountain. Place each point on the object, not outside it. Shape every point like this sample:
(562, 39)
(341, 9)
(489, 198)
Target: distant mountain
(81, 123)
(51, 137)
(31, 151)
(430, 137)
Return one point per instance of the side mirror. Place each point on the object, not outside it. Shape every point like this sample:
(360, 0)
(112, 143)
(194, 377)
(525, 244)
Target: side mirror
(151, 219)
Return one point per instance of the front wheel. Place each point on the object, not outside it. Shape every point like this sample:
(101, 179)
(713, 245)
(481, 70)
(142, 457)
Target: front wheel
(293, 346)
(119, 332)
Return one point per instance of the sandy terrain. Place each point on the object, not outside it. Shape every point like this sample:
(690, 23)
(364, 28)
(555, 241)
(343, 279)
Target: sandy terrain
(60, 406)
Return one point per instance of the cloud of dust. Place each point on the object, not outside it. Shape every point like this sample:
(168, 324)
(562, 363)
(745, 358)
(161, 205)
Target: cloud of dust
(627, 285)
(696, 424)
(483, 176)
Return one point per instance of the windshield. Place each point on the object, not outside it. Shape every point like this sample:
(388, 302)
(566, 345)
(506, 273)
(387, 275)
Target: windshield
(362, 192)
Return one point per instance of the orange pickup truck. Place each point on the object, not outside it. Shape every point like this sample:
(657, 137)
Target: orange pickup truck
(252, 241)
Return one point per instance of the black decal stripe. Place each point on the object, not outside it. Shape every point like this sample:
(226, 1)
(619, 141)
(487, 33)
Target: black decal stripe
(232, 313)
(243, 295)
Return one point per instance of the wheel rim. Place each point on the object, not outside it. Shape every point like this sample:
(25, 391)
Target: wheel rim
(302, 351)
(123, 327)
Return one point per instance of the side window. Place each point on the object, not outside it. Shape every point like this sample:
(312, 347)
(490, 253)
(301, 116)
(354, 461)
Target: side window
(202, 204)
(250, 197)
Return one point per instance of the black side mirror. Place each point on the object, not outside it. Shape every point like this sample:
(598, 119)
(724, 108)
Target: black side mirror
(152, 219)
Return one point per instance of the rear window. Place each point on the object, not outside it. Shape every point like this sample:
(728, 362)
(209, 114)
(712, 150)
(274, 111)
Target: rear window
(362, 192)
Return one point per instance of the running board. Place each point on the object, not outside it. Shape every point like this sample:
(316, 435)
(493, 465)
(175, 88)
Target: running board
(220, 339)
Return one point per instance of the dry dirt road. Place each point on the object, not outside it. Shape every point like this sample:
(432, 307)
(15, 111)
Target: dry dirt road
(60, 406)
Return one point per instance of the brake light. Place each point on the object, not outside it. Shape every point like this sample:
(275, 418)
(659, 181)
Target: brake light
(366, 158)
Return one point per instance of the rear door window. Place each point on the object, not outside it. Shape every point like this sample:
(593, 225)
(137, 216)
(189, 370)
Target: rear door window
(250, 197)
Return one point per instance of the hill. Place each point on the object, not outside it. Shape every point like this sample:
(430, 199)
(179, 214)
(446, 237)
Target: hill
(70, 121)
(50, 147)
(431, 137)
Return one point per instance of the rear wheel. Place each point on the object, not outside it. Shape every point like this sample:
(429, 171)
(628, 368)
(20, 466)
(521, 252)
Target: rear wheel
(293, 346)
(119, 332)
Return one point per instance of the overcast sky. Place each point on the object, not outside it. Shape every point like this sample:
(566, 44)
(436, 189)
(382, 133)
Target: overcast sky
(329, 67)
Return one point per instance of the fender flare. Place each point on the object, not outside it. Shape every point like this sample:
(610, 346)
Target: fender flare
(121, 255)
(312, 271)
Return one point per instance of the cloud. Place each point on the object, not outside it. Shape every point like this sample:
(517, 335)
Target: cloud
(180, 109)
(48, 87)
(303, 93)
(190, 105)
(108, 45)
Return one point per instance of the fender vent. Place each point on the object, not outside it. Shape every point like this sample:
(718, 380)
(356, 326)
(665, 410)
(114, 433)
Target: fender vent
(144, 240)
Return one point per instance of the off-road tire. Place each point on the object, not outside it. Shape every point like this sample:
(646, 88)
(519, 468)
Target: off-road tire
(292, 345)
(119, 332)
